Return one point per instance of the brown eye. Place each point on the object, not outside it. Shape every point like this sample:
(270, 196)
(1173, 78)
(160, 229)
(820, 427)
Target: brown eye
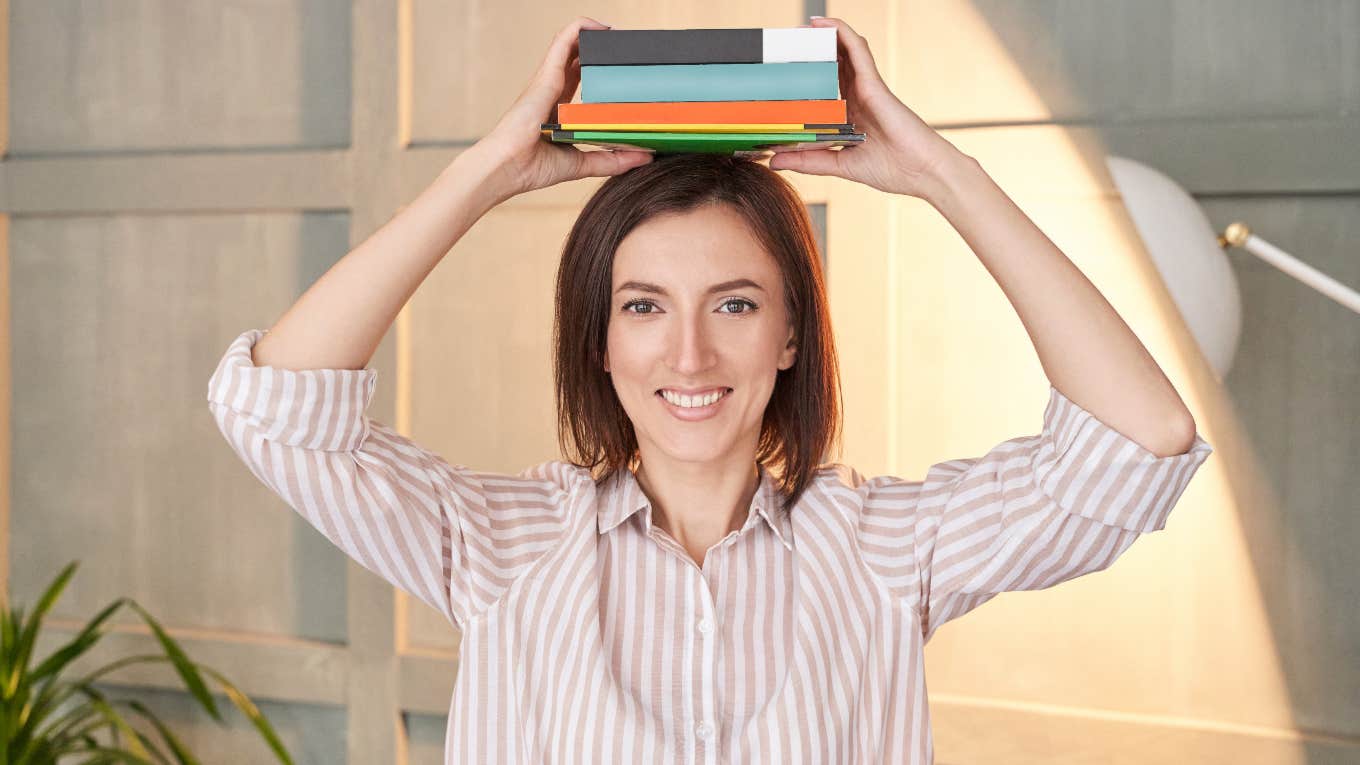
(740, 301)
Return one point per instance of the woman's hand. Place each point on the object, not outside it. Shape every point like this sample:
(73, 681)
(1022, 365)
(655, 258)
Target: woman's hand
(900, 153)
(525, 158)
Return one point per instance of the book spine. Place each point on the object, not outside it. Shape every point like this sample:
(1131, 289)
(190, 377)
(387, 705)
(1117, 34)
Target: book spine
(613, 47)
(832, 111)
(710, 82)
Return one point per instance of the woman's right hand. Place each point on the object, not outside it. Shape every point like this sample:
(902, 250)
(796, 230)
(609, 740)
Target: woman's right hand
(528, 160)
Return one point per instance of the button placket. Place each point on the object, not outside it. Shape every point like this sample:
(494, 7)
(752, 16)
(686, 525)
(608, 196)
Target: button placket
(706, 701)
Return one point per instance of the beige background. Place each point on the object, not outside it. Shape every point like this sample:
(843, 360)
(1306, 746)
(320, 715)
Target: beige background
(177, 172)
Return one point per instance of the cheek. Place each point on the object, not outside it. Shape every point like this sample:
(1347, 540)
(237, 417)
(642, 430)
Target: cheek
(629, 359)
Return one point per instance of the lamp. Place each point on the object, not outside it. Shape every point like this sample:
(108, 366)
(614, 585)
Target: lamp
(1192, 261)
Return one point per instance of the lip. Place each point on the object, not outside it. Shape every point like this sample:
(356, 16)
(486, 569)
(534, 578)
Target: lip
(693, 414)
(695, 391)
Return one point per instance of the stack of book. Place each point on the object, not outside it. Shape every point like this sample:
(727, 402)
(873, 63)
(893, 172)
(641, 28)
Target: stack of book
(726, 91)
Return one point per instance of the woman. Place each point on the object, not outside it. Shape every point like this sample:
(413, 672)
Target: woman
(663, 597)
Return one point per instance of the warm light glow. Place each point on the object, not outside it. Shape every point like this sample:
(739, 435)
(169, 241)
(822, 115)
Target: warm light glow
(1175, 637)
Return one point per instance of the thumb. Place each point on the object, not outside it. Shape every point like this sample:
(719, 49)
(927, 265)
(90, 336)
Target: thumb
(810, 161)
(596, 163)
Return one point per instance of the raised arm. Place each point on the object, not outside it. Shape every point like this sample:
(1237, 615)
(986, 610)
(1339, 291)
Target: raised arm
(1030, 513)
(292, 400)
(339, 321)
(1086, 349)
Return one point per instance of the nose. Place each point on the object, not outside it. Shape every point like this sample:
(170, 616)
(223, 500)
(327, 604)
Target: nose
(691, 347)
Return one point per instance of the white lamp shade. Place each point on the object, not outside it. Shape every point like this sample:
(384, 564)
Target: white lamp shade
(1185, 249)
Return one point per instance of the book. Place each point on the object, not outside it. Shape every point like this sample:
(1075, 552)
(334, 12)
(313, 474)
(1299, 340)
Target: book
(743, 92)
(612, 47)
(691, 127)
(715, 112)
(710, 82)
(739, 144)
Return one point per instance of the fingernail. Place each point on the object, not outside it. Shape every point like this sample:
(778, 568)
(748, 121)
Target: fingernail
(816, 17)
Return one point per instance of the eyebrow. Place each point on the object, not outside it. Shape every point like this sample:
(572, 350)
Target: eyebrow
(658, 290)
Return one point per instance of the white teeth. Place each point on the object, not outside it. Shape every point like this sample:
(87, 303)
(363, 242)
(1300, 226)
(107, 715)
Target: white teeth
(692, 401)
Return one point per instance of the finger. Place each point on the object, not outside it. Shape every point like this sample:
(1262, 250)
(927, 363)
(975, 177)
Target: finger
(598, 163)
(545, 89)
(565, 44)
(856, 48)
(809, 161)
(573, 81)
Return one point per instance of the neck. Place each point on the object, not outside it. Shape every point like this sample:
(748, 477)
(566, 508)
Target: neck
(698, 505)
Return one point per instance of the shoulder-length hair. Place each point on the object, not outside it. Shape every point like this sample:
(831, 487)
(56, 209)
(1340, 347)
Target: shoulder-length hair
(803, 417)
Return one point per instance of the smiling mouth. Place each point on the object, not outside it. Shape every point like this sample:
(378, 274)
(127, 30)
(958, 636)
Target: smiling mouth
(725, 393)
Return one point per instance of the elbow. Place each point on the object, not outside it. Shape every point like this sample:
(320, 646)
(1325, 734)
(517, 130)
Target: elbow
(1181, 438)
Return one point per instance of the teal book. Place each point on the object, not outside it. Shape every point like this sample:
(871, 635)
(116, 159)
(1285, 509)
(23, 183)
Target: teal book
(651, 83)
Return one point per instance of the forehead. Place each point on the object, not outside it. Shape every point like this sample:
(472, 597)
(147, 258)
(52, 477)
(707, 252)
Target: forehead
(693, 246)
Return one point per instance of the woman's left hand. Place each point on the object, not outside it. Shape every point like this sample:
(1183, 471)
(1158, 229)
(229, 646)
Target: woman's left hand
(900, 154)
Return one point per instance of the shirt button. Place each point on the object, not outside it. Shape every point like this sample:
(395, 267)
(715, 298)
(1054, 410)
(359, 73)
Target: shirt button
(705, 626)
(704, 731)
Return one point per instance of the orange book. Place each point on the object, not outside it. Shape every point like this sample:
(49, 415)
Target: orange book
(812, 111)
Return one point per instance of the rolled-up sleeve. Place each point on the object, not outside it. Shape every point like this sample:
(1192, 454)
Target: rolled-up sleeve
(441, 532)
(1032, 512)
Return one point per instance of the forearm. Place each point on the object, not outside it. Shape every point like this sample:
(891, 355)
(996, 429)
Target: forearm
(1086, 349)
(340, 320)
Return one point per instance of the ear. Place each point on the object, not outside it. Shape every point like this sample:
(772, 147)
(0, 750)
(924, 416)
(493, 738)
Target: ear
(790, 351)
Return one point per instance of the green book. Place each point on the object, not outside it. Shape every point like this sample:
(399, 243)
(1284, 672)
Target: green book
(741, 144)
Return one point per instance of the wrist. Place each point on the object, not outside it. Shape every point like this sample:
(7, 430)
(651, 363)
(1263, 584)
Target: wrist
(947, 176)
(484, 175)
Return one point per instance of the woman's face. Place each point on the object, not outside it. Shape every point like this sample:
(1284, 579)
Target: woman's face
(697, 305)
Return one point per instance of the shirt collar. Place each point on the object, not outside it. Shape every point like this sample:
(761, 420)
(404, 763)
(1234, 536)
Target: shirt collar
(623, 498)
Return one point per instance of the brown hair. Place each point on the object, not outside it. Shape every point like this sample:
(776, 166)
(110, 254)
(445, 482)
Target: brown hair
(802, 419)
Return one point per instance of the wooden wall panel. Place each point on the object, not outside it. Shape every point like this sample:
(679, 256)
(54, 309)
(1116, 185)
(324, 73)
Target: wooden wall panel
(116, 463)
(164, 74)
(1116, 61)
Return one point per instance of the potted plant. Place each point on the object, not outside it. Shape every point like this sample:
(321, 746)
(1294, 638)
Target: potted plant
(45, 715)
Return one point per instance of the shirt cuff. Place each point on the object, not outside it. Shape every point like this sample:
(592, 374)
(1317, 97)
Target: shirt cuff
(1090, 469)
(320, 409)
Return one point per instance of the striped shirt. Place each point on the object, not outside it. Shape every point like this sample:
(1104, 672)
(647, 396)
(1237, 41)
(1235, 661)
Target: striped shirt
(589, 635)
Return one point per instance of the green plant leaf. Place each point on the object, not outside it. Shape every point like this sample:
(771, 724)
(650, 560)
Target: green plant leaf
(117, 724)
(150, 746)
(24, 649)
(257, 719)
(15, 670)
(58, 693)
(192, 680)
(52, 693)
(37, 728)
(9, 635)
(88, 636)
(66, 731)
(182, 754)
(107, 755)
